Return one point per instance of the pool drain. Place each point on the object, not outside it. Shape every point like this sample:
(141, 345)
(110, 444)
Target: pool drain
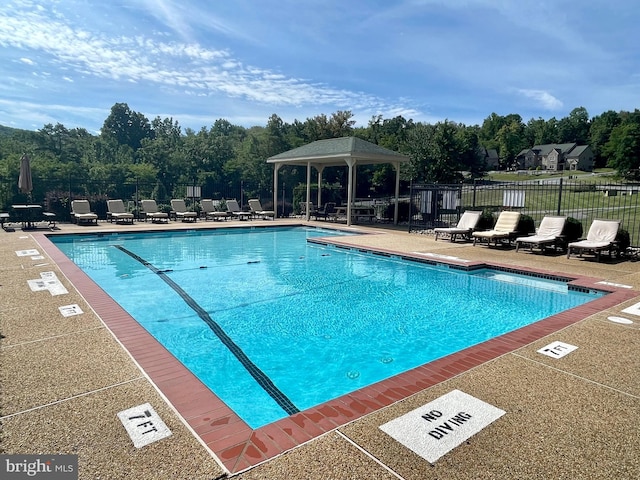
(386, 359)
(353, 374)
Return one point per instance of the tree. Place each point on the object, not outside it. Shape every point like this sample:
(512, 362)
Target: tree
(575, 127)
(434, 153)
(126, 126)
(469, 151)
(600, 132)
(623, 150)
(341, 123)
(511, 141)
(541, 132)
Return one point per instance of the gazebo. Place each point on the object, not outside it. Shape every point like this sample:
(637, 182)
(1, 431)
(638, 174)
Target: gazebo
(345, 151)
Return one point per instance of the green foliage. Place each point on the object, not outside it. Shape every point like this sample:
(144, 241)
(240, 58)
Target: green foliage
(487, 220)
(160, 193)
(164, 207)
(623, 149)
(526, 225)
(130, 150)
(404, 210)
(572, 230)
(440, 152)
(623, 239)
(126, 126)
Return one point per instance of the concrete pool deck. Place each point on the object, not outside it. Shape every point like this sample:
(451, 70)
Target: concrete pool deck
(64, 379)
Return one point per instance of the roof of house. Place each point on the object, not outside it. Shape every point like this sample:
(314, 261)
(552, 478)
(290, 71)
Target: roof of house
(561, 147)
(579, 150)
(544, 150)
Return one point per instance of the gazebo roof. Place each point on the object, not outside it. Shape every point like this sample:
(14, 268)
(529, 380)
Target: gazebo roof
(335, 151)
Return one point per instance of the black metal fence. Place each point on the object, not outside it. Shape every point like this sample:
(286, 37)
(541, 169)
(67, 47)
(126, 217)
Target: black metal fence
(55, 196)
(430, 205)
(435, 205)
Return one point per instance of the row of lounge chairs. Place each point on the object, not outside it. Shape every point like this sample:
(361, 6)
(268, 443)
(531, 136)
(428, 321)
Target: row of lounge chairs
(600, 238)
(81, 212)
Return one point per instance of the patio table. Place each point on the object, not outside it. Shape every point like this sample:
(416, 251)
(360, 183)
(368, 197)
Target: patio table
(27, 214)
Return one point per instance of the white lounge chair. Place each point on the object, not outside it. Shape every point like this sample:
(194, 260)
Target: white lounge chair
(117, 213)
(81, 212)
(601, 236)
(506, 228)
(465, 227)
(549, 233)
(256, 209)
(179, 208)
(211, 210)
(150, 210)
(236, 211)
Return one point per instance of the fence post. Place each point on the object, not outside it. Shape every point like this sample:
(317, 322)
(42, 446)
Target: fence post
(474, 194)
(559, 196)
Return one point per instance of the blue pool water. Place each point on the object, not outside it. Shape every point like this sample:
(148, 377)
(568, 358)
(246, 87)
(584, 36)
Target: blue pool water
(274, 324)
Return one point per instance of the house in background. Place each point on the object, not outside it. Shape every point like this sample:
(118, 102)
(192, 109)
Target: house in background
(556, 157)
(491, 158)
(580, 158)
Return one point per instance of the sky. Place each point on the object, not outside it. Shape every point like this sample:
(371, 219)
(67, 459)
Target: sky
(70, 61)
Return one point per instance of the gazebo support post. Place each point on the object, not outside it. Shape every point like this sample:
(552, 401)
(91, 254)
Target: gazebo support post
(351, 164)
(320, 168)
(276, 167)
(308, 212)
(396, 206)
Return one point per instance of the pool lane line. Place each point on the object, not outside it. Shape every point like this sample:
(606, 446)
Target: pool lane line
(263, 380)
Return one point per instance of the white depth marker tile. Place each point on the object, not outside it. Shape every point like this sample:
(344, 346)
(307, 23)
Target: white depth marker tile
(70, 310)
(439, 426)
(557, 349)
(440, 256)
(622, 320)
(143, 425)
(37, 285)
(27, 253)
(54, 285)
(48, 281)
(633, 309)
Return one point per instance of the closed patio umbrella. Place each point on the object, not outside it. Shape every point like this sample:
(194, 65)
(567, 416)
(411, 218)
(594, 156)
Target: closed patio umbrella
(25, 184)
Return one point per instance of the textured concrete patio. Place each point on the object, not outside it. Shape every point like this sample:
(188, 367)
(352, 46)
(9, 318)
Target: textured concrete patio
(64, 379)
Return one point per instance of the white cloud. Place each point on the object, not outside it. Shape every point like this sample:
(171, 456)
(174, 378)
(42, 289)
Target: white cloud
(545, 99)
(189, 66)
(423, 59)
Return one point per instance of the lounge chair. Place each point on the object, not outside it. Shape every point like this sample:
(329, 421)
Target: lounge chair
(236, 211)
(505, 229)
(211, 210)
(179, 208)
(150, 211)
(326, 212)
(117, 213)
(465, 227)
(257, 210)
(601, 236)
(549, 233)
(81, 212)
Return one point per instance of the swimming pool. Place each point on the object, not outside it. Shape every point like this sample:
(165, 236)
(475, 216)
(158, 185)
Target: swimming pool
(274, 324)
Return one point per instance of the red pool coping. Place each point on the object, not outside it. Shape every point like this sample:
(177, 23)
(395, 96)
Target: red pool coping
(236, 445)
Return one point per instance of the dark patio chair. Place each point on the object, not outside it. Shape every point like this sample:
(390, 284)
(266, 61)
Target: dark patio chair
(328, 211)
